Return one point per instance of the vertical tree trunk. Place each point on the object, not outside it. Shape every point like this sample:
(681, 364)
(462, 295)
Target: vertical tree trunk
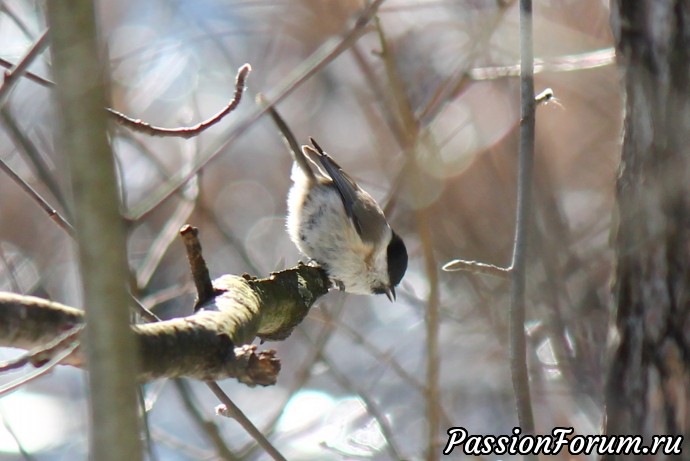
(648, 388)
(110, 347)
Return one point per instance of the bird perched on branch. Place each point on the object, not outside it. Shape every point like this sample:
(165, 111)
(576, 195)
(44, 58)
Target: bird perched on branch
(340, 226)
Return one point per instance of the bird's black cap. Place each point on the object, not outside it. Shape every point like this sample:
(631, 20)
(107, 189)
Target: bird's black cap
(397, 260)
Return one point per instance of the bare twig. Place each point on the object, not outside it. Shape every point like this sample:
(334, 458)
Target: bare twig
(8, 11)
(476, 267)
(188, 131)
(41, 355)
(205, 291)
(200, 207)
(29, 75)
(433, 326)
(372, 407)
(202, 279)
(30, 152)
(566, 63)
(66, 226)
(38, 372)
(10, 267)
(163, 240)
(12, 75)
(382, 356)
(304, 371)
(320, 58)
(210, 428)
(52, 213)
(382, 96)
(229, 409)
(145, 313)
(518, 357)
(411, 132)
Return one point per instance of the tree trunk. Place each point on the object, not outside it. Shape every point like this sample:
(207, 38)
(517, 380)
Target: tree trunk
(109, 342)
(648, 387)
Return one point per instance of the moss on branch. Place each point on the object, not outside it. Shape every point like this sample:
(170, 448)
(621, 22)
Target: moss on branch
(213, 343)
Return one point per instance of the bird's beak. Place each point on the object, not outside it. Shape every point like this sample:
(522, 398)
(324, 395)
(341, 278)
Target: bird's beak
(390, 293)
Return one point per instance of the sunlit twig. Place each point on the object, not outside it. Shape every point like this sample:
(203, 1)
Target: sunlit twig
(229, 409)
(518, 355)
(476, 267)
(187, 131)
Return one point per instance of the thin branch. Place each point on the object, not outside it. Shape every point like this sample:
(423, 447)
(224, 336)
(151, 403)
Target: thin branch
(54, 215)
(146, 425)
(38, 372)
(382, 356)
(160, 245)
(518, 356)
(145, 313)
(29, 75)
(10, 268)
(30, 152)
(202, 279)
(189, 131)
(319, 59)
(476, 267)
(181, 448)
(9, 12)
(41, 355)
(372, 407)
(205, 292)
(52, 212)
(13, 74)
(210, 428)
(566, 63)
(433, 327)
(411, 133)
(304, 371)
(229, 409)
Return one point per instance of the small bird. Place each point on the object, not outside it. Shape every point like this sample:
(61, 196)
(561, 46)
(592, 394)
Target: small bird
(340, 226)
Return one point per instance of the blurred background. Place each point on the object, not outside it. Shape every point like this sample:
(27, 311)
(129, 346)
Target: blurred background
(421, 106)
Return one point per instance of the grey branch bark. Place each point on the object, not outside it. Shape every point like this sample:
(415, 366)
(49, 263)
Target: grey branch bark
(518, 352)
(648, 386)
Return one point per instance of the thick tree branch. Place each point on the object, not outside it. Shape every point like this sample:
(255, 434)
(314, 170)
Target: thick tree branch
(208, 345)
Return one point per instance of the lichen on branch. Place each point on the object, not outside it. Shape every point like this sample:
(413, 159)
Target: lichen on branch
(213, 343)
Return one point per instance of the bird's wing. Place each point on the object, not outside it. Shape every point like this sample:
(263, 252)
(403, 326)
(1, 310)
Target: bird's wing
(357, 203)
